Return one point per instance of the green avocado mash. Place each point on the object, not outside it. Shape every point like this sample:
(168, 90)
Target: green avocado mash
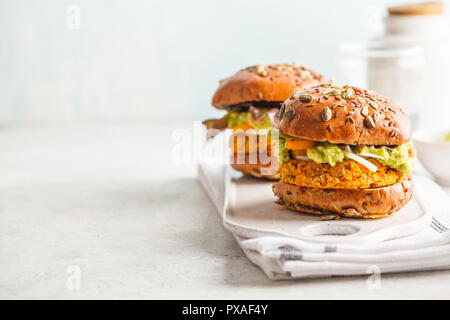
(280, 146)
(238, 118)
(263, 123)
(283, 153)
(398, 158)
(446, 138)
(326, 153)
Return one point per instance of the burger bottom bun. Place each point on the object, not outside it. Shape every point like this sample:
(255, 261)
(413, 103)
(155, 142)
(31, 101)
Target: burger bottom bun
(361, 203)
(256, 169)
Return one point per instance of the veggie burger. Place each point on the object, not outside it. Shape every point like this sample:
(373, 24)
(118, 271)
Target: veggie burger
(344, 151)
(252, 97)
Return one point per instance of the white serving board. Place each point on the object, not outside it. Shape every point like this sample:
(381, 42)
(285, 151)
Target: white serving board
(248, 208)
(251, 212)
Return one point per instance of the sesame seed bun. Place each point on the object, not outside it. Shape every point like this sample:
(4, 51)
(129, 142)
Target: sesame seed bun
(357, 203)
(264, 83)
(346, 115)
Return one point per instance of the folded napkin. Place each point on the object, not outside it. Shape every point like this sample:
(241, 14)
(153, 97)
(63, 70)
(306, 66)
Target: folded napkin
(288, 258)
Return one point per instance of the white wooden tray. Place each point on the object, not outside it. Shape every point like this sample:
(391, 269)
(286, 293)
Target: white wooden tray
(248, 209)
(251, 211)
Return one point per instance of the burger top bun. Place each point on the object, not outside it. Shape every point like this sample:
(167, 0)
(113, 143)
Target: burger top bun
(264, 83)
(345, 115)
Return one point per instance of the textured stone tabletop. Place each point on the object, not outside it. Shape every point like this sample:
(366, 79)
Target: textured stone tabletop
(99, 211)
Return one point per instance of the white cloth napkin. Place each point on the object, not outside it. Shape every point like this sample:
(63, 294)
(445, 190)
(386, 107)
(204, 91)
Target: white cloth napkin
(288, 258)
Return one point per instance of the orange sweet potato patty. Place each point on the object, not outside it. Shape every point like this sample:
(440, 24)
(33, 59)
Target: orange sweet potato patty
(345, 175)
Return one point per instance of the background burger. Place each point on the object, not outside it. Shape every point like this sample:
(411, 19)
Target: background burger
(344, 151)
(252, 97)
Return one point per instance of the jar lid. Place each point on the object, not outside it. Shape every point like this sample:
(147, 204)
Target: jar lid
(423, 8)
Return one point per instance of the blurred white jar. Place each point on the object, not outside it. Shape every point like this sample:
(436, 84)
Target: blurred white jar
(426, 27)
(429, 29)
(410, 63)
(380, 66)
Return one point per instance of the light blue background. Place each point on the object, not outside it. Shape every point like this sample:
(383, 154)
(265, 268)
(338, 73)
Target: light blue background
(158, 60)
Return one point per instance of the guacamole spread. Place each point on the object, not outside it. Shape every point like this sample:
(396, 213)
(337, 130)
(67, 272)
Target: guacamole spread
(283, 153)
(238, 118)
(400, 158)
(446, 138)
(279, 140)
(326, 153)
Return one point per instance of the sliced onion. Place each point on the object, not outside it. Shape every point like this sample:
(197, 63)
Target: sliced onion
(272, 116)
(362, 161)
(304, 158)
(371, 155)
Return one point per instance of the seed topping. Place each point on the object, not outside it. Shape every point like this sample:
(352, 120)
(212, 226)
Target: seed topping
(369, 123)
(305, 97)
(288, 115)
(325, 114)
